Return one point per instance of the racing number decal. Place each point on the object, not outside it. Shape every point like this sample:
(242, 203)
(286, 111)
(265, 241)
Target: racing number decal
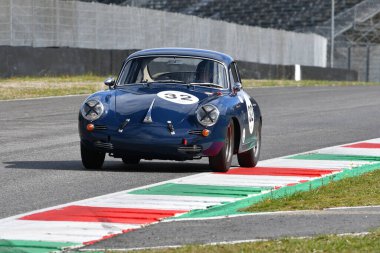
(170, 95)
(186, 97)
(178, 97)
(174, 96)
(250, 113)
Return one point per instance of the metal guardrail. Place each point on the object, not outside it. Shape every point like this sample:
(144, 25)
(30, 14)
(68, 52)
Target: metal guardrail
(347, 19)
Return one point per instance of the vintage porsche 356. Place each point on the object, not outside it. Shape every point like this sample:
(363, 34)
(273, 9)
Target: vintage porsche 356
(172, 104)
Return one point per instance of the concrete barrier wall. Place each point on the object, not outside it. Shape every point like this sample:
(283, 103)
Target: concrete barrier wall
(5, 23)
(32, 61)
(58, 23)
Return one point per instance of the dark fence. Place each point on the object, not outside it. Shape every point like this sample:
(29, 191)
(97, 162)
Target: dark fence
(30, 61)
(253, 70)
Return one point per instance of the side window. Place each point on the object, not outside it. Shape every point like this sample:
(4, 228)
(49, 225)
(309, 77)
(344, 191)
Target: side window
(237, 72)
(234, 76)
(231, 77)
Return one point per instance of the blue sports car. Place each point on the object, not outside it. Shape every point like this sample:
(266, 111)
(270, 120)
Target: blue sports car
(172, 104)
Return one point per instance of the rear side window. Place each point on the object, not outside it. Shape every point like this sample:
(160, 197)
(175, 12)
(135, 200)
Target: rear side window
(237, 72)
(233, 74)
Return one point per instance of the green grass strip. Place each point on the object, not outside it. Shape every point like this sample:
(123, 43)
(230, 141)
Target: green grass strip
(364, 190)
(233, 208)
(21, 246)
(29, 87)
(331, 157)
(200, 190)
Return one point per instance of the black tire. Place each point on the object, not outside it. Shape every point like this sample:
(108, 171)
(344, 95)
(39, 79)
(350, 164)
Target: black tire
(91, 159)
(222, 161)
(250, 158)
(131, 160)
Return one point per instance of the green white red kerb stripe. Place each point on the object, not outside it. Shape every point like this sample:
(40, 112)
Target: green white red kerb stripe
(87, 221)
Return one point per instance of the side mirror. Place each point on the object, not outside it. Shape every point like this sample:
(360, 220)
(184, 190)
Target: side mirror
(110, 81)
(237, 87)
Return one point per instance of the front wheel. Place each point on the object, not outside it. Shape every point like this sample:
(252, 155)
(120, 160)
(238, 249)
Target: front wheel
(222, 161)
(251, 157)
(91, 159)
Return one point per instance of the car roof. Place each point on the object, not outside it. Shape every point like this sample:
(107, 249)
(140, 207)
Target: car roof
(193, 52)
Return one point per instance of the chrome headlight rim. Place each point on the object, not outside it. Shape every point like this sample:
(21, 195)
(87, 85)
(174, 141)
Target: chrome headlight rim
(97, 107)
(203, 113)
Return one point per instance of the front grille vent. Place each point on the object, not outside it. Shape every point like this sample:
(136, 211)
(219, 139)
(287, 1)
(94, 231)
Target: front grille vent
(190, 149)
(196, 132)
(100, 127)
(103, 145)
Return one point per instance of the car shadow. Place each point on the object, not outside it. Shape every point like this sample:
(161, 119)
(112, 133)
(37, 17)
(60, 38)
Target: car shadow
(111, 166)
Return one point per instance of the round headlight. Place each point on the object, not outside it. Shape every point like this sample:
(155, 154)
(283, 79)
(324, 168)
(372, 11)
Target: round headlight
(92, 109)
(207, 115)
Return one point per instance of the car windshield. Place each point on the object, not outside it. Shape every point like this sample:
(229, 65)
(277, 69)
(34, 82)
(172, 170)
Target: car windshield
(173, 69)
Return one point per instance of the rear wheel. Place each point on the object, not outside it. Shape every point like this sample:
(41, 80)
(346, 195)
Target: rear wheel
(222, 161)
(251, 157)
(131, 160)
(91, 159)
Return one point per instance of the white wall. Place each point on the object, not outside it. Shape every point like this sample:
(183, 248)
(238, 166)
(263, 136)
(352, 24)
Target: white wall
(57, 23)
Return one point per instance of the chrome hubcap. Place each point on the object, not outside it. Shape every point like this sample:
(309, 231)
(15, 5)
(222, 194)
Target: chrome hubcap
(257, 146)
(228, 144)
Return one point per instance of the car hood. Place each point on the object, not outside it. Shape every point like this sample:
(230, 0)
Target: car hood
(163, 102)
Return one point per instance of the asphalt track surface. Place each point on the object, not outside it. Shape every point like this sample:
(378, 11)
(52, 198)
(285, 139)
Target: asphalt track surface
(40, 161)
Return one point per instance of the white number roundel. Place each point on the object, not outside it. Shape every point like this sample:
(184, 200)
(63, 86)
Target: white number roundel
(178, 97)
(250, 112)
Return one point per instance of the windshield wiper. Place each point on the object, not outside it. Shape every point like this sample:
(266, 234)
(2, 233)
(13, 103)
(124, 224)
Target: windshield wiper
(169, 81)
(208, 85)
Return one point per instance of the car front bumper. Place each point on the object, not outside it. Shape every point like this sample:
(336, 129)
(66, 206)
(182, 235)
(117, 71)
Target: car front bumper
(152, 142)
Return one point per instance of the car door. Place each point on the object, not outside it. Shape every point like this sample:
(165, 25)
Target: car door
(247, 116)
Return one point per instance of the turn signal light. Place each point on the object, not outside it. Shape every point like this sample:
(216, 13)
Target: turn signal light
(184, 142)
(90, 127)
(205, 132)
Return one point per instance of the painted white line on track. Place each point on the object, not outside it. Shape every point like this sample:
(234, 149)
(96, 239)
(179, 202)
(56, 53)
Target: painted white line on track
(241, 180)
(131, 249)
(312, 164)
(295, 212)
(350, 207)
(373, 141)
(61, 230)
(223, 243)
(350, 151)
(242, 215)
(164, 202)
